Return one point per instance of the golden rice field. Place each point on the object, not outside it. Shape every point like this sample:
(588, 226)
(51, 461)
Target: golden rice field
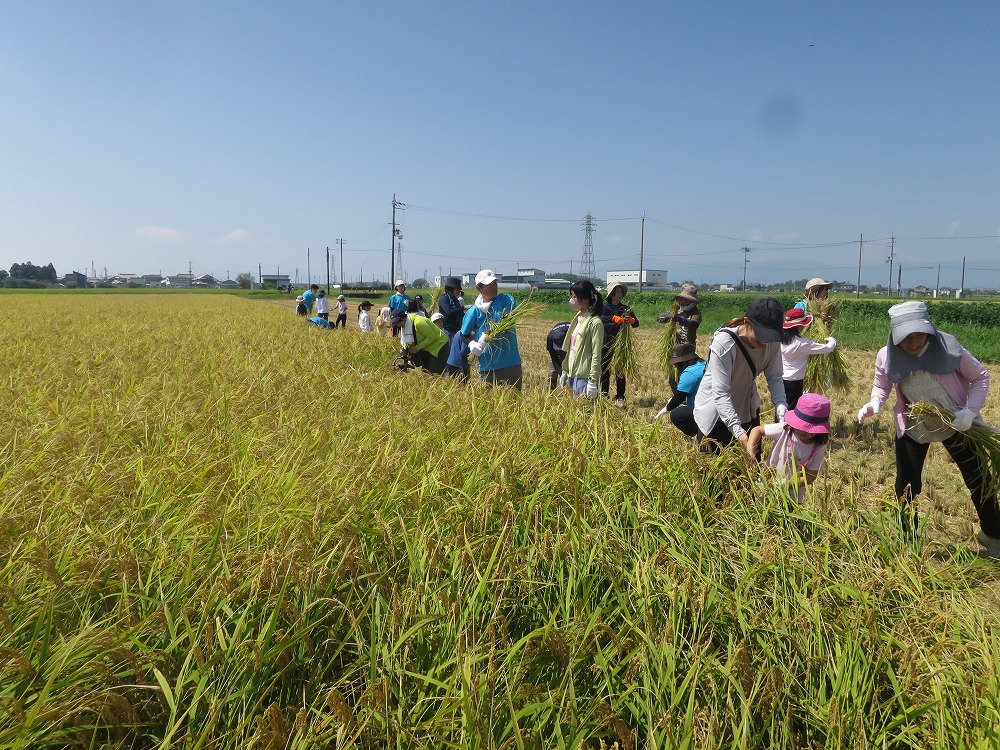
(220, 528)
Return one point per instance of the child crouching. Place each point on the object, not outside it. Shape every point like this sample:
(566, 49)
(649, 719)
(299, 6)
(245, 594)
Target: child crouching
(799, 443)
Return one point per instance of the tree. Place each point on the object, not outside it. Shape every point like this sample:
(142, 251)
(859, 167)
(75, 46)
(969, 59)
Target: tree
(420, 284)
(30, 272)
(244, 280)
(3, 276)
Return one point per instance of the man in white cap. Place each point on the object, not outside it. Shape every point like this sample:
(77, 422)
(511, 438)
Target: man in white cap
(922, 363)
(499, 360)
(399, 301)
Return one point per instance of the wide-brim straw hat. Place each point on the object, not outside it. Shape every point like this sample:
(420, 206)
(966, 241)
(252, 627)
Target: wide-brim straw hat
(611, 289)
(689, 292)
(817, 283)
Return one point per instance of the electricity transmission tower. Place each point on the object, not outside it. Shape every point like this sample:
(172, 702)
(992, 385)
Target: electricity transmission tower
(587, 266)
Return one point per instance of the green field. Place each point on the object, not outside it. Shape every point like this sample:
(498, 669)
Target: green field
(220, 528)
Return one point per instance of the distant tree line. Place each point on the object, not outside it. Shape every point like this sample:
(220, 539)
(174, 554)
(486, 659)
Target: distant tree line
(29, 275)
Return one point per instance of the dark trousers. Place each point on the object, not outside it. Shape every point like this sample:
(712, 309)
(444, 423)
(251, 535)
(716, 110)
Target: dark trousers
(910, 456)
(556, 358)
(606, 377)
(721, 437)
(793, 389)
(683, 419)
(341, 321)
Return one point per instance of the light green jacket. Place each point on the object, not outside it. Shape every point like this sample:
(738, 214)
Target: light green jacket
(585, 341)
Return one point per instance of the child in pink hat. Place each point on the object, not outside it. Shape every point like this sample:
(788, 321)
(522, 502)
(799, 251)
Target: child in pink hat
(799, 442)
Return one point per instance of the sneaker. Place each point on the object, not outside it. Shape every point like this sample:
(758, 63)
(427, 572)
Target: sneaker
(991, 544)
(620, 402)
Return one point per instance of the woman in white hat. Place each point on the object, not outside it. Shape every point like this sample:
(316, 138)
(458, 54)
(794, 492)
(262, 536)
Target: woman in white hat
(922, 363)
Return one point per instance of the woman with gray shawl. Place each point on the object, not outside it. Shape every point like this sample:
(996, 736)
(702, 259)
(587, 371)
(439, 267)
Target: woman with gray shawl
(924, 364)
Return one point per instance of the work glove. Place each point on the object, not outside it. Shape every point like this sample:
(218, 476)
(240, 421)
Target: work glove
(563, 379)
(831, 341)
(779, 411)
(963, 419)
(592, 389)
(664, 318)
(630, 320)
(868, 410)
(617, 319)
(477, 347)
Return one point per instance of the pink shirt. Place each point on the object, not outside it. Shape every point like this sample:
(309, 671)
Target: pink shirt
(790, 455)
(967, 386)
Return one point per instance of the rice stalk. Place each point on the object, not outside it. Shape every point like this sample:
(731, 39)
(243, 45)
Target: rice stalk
(509, 320)
(624, 358)
(825, 371)
(668, 339)
(983, 439)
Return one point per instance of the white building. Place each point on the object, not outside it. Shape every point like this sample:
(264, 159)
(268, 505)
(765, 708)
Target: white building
(651, 279)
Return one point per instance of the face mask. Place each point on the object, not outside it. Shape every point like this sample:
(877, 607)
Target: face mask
(574, 303)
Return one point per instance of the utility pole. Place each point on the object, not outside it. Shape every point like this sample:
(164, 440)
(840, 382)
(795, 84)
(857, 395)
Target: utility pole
(341, 243)
(937, 284)
(746, 259)
(962, 288)
(899, 282)
(328, 268)
(892, 248)
(642, 241)
(308, 269)
(861, 243)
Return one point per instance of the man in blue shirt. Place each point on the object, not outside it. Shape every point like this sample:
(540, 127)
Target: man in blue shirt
(499, 359)
(399, 301)
(309, 298)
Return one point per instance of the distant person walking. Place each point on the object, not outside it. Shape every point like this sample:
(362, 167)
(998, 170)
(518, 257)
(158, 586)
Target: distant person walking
(341, 312)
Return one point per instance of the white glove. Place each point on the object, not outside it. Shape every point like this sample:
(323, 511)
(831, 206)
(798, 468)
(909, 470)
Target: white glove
(562, 379)
(779, 411)
(868, 410)
(477, 347)
(831, 341)
(592, 389)
(963, 419)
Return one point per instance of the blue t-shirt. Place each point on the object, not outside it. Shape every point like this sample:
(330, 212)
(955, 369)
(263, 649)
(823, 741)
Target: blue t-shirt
(308, 298)
(689, 381)
(501, 352)
(458, 353)
(399, 302)
(320, 322)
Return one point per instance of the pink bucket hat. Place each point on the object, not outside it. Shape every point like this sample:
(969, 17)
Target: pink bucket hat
(811, 414)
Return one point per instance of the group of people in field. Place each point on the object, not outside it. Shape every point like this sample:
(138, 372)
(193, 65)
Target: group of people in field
(715, 401)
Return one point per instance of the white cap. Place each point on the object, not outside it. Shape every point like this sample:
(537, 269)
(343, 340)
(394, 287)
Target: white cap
(436, 317)
(399, 282)
(484, 277)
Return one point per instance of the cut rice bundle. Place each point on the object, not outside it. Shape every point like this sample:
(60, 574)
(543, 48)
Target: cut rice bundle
(983, 439)
(509, 320)
(825, 371)
(624, 360)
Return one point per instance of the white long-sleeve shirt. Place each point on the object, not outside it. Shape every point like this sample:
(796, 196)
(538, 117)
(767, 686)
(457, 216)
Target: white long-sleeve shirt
(728, 390)
(795, 356)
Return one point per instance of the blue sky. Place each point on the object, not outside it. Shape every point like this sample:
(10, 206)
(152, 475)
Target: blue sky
(142, 137)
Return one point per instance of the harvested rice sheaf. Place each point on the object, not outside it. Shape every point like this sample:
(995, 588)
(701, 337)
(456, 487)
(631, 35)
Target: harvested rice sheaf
(624, 360)
(825, 371)
(983, 439)
(509, 320)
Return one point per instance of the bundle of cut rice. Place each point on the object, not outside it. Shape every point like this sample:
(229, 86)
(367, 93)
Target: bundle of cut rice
(983, 439)
(509, 320)
(624, 360)
(825, 371)
(668, 339)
